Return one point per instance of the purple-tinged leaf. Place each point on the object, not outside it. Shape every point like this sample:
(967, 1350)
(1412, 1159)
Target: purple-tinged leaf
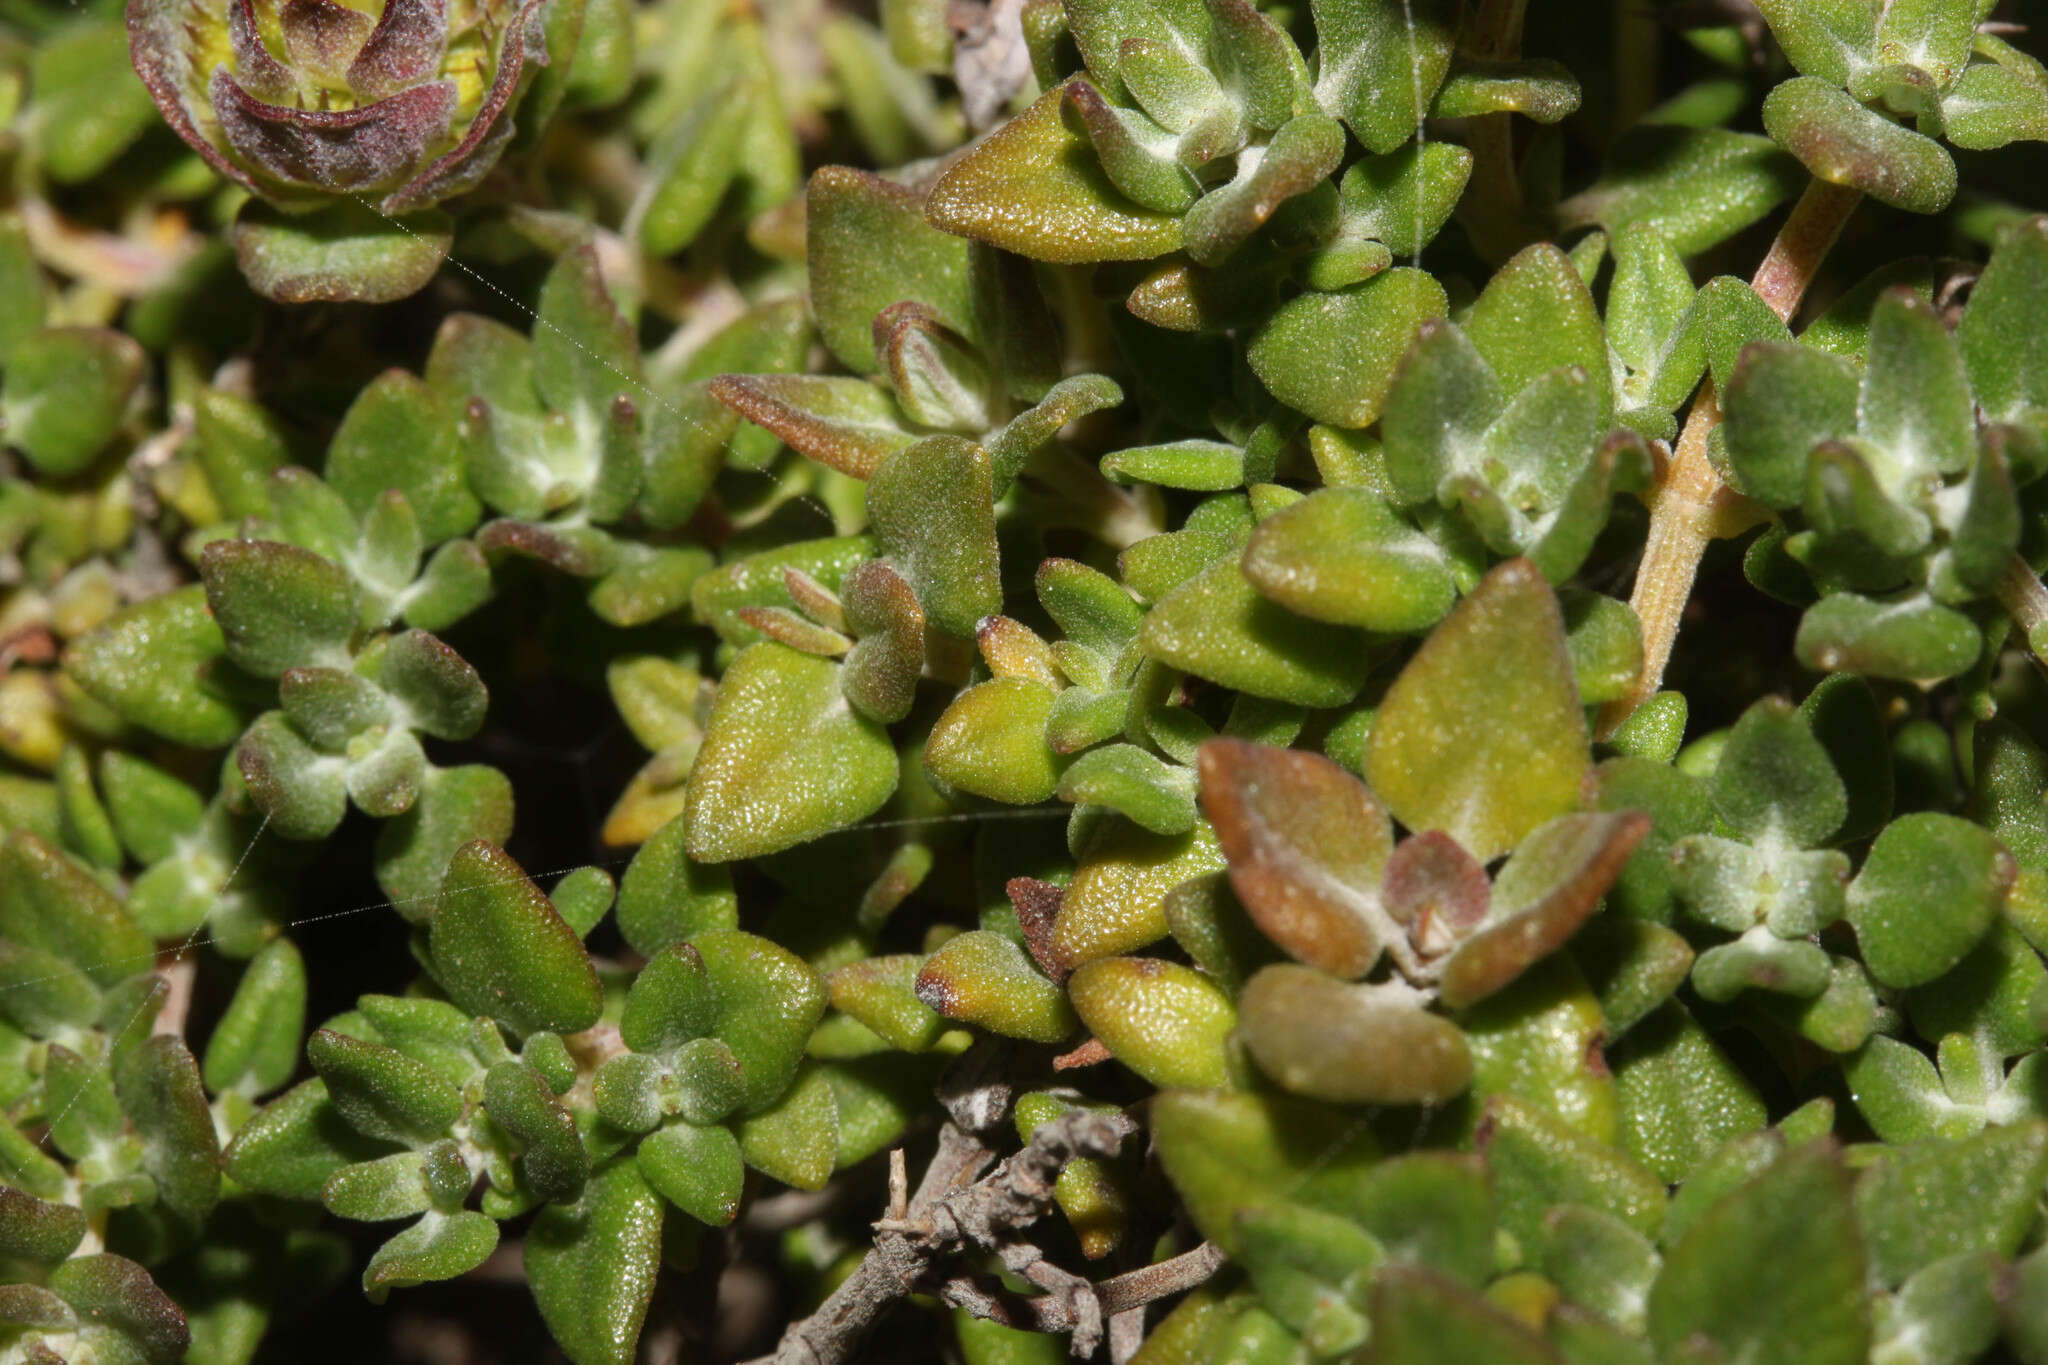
(1551, 885)
(1307, 844)
(404, 48)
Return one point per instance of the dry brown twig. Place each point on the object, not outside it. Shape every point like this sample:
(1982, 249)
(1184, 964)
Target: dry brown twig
(957, 1209)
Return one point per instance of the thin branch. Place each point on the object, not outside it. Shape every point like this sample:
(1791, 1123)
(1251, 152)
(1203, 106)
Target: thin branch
(180, 975)
(948, 1215)
(1637, 37)
(1493, 213)
(1692, 506)
(1118, 1295)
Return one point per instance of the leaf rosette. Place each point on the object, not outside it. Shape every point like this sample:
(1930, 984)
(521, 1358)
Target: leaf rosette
(302, 100)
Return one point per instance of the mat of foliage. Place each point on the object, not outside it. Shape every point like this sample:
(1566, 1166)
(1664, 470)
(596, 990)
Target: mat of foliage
(1004, 680)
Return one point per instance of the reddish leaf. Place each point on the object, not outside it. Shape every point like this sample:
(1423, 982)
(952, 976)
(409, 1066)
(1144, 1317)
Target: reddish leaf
(1306, 843)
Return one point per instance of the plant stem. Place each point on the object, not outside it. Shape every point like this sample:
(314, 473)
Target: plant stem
(1636, 38)
(2026, 601)
(1493, 213)
(1691, 505)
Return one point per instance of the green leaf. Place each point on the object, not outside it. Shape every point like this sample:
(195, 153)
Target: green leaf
(2006, 355)
(1536, 315)
(295, 1143)
(1912, 638)
(345, 252)
(584, 352)
(697, 1169)
(1834, 40)
(1538, 89)
(796, 1139)
(1203, 466)
(882, 669)
(868, 246)
(1334, 356)
(1991, 105)
(1116, 902)
(984, 978)
(1986, 996)
(767, 1002)
(670, 1002)
(1843, 714)
(399, 434)
(455, 806)
(932, 507)
(1422, 1318)
(84, 823)
(1915, 404)
(1539, 1041)
(1599, 1262)
(1697, 186)
(129, 1316)
(303, 793)
(1782, 1248)
(1928, 892)
(35, 1232)
(554, 1164)
(150, 663)
(1035, 187)
(158, 1084)
(1131, 781)
(881, 992)
(1381, 63)
(1344, 1043)
(65, 394)
(1634, 965)
(1405, 197)
(1446, 399)
(1164, 1021)
(240, 445)
(88, 107)
(1774, 779)
(455, 582)
(279, 606)
(435, 690)
(991, 741)
(1299, 157)
(1538, 1161)
(1680, 1096)
(1783, 400)
(666, 896)
(1217, 626)
(785, 759)
(1343, 555)
(1606, 643)
(1844, 143)
(379, 1191)
(1229, 1152)
(500, 949)
(43, 994)
(1921, 1204)
(381, 1091)
(1446, 728)
(440, 1246)
(1649, 297)
(49, 902)
(1948, 1311)
(848, 425)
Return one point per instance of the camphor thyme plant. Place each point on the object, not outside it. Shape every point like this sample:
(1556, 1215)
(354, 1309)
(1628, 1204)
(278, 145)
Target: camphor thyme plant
(1351, 681)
